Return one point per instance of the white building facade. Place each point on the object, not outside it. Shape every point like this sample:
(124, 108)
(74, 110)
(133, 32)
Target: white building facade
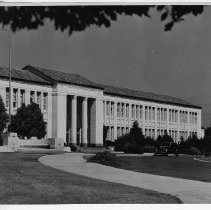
(80, 111)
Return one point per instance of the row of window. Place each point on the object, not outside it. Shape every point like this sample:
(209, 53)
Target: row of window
(148, 132)
(137, 113)
(36, 97)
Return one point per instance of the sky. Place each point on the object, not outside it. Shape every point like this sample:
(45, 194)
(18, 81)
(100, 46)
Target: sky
(134, 53)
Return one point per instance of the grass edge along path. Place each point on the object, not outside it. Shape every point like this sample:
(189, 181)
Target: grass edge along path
(24, 180)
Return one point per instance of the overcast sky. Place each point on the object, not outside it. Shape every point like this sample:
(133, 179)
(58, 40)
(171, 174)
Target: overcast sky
(134, 52)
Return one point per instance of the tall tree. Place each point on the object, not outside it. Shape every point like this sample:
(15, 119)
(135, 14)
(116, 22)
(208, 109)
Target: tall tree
(78, 18)
(3, 118)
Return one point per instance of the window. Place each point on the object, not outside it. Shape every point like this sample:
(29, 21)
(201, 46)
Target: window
(195, 118)
(39, 99)
(140, 112)
(7, 97)
(161, 114)
(45, 101)
(127, 110)
(122, 110)
(15, 101)
(107, 108)
(32, 96)
(133, 111)
(22, 97)
(149, 113)
(169, 115)
(146, 113)
(112, 109)
(137, 112)
(158, 114)
(153, 113)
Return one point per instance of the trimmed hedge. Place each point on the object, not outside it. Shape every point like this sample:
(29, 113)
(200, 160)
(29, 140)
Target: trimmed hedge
(104, 158)
(194, 151)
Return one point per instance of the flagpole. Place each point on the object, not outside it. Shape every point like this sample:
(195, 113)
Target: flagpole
(10, 86)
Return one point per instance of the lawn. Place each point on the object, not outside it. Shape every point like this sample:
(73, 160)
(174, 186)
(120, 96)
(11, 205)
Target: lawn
(182, 167)
(24, 180)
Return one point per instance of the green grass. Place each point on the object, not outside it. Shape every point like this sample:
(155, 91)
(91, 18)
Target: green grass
(182, 167)
(24, 180)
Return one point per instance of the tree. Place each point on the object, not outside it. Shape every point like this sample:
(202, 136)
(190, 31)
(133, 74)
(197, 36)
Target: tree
(137, 135)
(78, 18)
(3, 119)
(28, 122)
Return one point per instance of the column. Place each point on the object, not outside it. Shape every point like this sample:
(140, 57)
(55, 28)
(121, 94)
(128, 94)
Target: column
(167, 121)
(115, 120)
(74, 120)
(156, 124)
(188, 123)
(84, 122)
(59, 115)
(130, 115)
(27, 97)
(143, 120)
(178, 125)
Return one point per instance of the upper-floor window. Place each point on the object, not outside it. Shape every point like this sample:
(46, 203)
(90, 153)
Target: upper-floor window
(45, 101)
(146, 113)
(149, 109)
(22, 97)
(158, 114)
(15, 98)
(32, 96)
(127, 110)
(7, 97)
(107, 108)
(137, 111)
(112, 109)
(140, 112)
(122, 110)
(133, 111)
(153, 113)
(176, 116)
(39, 99)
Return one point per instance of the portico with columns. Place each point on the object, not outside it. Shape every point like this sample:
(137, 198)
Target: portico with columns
(77, 118)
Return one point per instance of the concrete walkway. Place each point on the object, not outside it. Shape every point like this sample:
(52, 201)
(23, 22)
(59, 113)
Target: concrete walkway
(188, 191)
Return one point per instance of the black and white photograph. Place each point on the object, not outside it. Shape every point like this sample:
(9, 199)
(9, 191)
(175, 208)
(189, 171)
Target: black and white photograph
(105, 103)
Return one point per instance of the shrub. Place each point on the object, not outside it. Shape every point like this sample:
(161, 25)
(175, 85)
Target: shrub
(108, 143)
(104, 158)
(74, 148)
(139, 150)
(129, 148)
(121, 141)
(194, 151)
(184, 147)
(149, 149)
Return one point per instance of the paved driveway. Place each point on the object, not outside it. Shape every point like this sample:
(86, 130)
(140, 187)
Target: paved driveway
(188, 191)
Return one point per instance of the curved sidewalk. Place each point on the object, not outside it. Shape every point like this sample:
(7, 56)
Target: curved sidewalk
(188, 191)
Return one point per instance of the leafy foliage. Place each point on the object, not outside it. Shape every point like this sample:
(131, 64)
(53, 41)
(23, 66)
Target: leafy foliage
(3, 119)
(78, 18)
(104, 158)
(136, 135)
(3, 116)
(28, 122)
(194, 151)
